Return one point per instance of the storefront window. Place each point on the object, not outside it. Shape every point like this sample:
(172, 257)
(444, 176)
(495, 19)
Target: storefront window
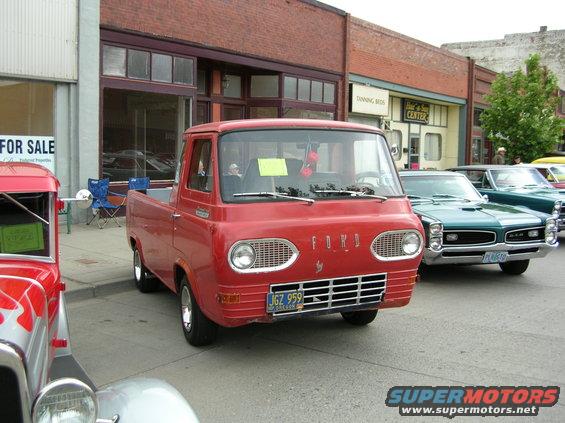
(139, 135)
(233, 112)
(138, 64)
(290, 85)
(263, 112)
(264, 86)
(202, 112)
(202, 82)
(114, 61)
(183, 71)
(394, 137)
(307, 114)
(26, 123)
(232, 86)
(161, 67)
(317, 89)
(329, 93)
(304, 89)
(432, 148)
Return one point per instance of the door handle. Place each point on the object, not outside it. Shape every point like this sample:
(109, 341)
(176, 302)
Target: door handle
(175, 215)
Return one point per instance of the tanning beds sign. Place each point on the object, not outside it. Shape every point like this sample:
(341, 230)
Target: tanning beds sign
(29, 149)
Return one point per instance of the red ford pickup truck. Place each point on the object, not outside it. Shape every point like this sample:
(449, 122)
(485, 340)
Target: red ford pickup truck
(276, 219)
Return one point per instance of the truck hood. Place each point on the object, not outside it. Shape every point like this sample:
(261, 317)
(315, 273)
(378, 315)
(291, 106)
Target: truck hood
(476, 215)
(23, 323)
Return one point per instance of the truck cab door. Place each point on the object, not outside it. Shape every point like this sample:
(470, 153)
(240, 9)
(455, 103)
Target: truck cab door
(192, 238)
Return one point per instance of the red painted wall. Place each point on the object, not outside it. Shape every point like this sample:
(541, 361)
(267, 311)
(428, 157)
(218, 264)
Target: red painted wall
(289, 31)
(379, 53)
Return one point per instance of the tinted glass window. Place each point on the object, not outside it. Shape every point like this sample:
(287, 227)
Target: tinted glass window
(138, 64)
(162, 66)
(304, 89)
(183, 71)
(114, 61)
(264, 86)
(290, 85)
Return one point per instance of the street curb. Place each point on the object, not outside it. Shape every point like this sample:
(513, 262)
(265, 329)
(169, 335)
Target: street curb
(92, 291)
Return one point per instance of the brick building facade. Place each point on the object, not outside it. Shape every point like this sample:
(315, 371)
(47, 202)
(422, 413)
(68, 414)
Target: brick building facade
(413, 75)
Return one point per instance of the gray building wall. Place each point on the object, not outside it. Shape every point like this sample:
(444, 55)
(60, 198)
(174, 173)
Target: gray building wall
(509, 54)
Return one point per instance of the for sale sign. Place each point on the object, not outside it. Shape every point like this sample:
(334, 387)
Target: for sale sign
(28, 148)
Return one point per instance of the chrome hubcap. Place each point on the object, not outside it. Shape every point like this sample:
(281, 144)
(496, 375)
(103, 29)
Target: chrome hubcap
(136, 265)
(186, 308)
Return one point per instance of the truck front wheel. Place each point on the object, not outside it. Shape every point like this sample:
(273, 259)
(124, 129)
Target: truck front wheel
(515, 267)
(359, 318)
(143, 280)
(197, 328)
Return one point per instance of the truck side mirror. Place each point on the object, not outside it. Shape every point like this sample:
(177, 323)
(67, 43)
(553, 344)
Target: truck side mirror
(83, 199)
(485, 197)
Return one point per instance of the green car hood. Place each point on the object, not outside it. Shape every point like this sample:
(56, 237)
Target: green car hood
(554, 194)
(463, 215)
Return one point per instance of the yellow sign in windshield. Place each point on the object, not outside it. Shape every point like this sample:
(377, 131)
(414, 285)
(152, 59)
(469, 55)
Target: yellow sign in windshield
(272, 167)
(21, 238)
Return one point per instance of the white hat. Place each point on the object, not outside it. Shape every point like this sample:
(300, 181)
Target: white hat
(233, 166)
(500, 149)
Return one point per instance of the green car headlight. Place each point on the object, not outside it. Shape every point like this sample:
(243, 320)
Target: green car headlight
(65, 400)
(436, 229)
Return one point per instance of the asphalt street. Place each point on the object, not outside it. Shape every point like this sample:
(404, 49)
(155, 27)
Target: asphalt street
(469, 325)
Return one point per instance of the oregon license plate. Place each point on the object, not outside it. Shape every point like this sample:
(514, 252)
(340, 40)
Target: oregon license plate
(495, 257)
(285, 301)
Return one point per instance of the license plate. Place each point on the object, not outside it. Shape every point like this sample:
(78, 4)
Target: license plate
(285, 301)
(495, 257)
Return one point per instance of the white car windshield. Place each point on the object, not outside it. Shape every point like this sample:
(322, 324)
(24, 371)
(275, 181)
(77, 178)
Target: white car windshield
(305, 163)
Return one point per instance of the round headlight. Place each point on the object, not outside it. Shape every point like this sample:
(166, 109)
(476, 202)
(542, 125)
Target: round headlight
(436, 243)
(551, 238)
(550, 225)
(436, 228)
(243, 256)
(65, 400)
(411, 243)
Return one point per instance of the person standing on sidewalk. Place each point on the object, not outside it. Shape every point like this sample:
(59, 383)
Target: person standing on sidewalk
(498, 158)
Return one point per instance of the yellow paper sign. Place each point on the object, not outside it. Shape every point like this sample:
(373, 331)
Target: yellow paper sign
(21, 238)
(272, 167)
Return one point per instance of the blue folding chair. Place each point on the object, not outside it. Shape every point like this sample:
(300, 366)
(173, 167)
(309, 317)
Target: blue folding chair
(139, 184)
(101, 206)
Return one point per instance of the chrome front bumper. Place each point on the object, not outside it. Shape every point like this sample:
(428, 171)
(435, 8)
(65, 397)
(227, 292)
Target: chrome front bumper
(474, 254)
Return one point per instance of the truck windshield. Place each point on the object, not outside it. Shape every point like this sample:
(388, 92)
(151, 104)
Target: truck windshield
(306, 163)
(22, 233)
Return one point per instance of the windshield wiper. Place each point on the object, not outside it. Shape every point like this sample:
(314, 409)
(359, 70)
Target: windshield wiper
(273, 194)
(451, 196)
(351, 193)
(417, 197)
(21, 206)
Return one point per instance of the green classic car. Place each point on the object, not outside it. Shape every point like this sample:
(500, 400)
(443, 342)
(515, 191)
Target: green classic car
(462, 227)
(517, 186)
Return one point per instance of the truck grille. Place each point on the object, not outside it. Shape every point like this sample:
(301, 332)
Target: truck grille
(270, 254)
(468, 237)
(335, 294)
(526, 235)
(388, 246)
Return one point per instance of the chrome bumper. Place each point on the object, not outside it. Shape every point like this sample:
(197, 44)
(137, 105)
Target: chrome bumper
(474, 254)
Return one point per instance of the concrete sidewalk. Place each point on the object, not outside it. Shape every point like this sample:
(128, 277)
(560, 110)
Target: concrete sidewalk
(95, 261)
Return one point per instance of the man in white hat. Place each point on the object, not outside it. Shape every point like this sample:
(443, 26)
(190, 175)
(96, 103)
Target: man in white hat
(498, 158)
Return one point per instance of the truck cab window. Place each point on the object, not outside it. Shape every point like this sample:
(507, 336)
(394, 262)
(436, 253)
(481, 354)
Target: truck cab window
(200, 177)
(20, 232)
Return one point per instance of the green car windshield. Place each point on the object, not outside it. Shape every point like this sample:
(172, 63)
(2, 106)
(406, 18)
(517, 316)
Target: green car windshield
(307, 164)
(514, 177)
(440, 187)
